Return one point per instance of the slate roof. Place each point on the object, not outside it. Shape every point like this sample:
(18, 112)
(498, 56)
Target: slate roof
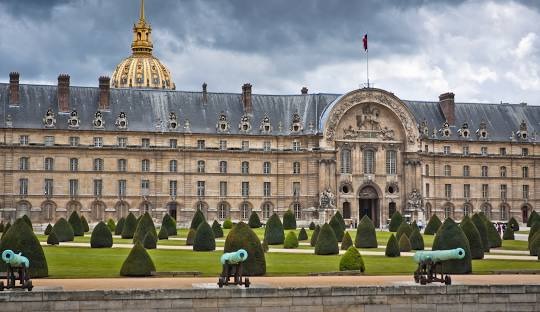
(147, 109)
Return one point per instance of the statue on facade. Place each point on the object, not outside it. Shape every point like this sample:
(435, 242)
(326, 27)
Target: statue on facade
(327, 199)
(414, 201)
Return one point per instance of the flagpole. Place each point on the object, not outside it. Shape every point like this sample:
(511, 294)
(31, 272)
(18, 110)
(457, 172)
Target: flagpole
(367, 66)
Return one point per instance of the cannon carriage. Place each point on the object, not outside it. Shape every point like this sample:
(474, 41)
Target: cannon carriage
(430, 265)
(232, 268)
(17, 270)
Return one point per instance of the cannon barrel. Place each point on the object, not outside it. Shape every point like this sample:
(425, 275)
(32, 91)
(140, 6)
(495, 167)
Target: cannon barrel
(15, 260)
(439, 255)
(234, 257)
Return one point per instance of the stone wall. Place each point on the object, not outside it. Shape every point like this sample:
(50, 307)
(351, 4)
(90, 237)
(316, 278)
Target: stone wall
(385, 298)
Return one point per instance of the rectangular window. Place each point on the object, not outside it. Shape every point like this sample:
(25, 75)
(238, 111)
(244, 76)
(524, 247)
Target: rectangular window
(98, 164)
(296, 146)
(427, 190)
(267, 167)
(73, 188)
(426, 148)
(173, 166)
(502, 151)
(122, 165)
(49, 140)
(447, 171)
(391, 162)
(245, 167)
(296, 189)
(172, 188)
(223, 166)
(484, 171)
(98, 142)
(466, 191)
(267, 191)
(201, 144)
(145, 187)
(504, 191)
(525, 192)
(23, 186)
(122, 187)
(49, 187)
(448, 191)
(466, 171)
(73, 141)
(200, 188)
(48, 164)
(369, 161)
(524, 151)
(465, 150)
(173, 143)
(222, 145)
(201, 167)
(145, 142)
(98, 188)
(245, 145)
(122, 141)
(145, 165)
(485, 190)
(245, 188)
(296, 167)
(525, 172)
(446, 149)
(267, 146)
(24, 163)
(222, 188)
(23, 140)
(484, 151)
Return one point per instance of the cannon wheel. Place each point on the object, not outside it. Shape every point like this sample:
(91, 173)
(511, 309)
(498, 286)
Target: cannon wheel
(447, 280)
(416, 278)
(423, 280)
(220, 282)
(1, 285)
(247, 282)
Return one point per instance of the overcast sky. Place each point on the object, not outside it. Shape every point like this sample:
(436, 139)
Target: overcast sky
(487, 51)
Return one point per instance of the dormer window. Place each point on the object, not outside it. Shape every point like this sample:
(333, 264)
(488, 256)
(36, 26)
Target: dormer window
(265, 127)
(296, 125)
(482, 133)
(445, 130)
(522, 134)
(222, 125)
(49, 120)
(73, 121)
(121, 121)
(245, 124)
(173, 123)
(424, 129)
(98, 120)
(464, 130)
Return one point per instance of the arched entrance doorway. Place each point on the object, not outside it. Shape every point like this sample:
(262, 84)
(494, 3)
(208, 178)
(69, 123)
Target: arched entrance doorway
(525, 213)
(368, 204)
(172, 209)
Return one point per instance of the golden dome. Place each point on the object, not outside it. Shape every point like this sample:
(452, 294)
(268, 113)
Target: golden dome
(142, 69)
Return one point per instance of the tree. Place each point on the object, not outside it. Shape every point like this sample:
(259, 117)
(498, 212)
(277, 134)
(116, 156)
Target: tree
(130, 225)
(27, 220)
(144, 226)
(204, 238)
(433, 225)
(163, 233)
(534, 245)
(289, 221)
(76, 224)
(535, 228)
(302, 235)
(514, 224)
(395, 221)
(218, 231)
(365, 234)
(312, 226)
(315, 235)
(532, 218)
(473, 236)
(508, 233)
(482, 230)
(392, 247)
(404, 243)
(327, 243)
(274, 234)
(170, 225)
(150, 240)
(404, 228)
(52, 239)
(63, 230)
(85, 226)
(227, 224)
(21, 239)
(138, 263)
(450, 236)
(48, 229)
(190, 237)
(338, 225)
(119, 226)
(417, 241)
(352, 261)
(346, 242)
(254, 221)
(101, 236)
(494, 238)
(111, 225)
(243, 237)
(291, 241)
(198, 218)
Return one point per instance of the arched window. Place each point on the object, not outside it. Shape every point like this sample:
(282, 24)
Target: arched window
(466, 210)
(201, 166)
(503, 171)
(222, 211)
(427, 170)
(369, 161)
(173, 166)
(48, 164)
(504, 212)
(266, 210)
(447, 170)
(486, 209)
(391, 162)
(145, 165)
(24, 163)
(297, 211)
(244, 211)
(448, 211)
(346, 161)
(245, 167)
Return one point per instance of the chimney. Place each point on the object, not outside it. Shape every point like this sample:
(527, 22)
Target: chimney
(63, 93)
(304, 91)
(204, 93)
(14, 88)
(447, 105)
(104, 92)
(246, 98)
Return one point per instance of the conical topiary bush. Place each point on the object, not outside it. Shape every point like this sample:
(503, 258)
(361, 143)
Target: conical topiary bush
(532, 218)
(218, 231)
(395, 221)
(6, 228)
(170, 225)
(327, 243)
(433, 225)
(346, 242)
(190, 237)
(314, 236)
(414, 226)
(482, 230)
(338, 225)
(404, 243)
(144, 226)
(204, 238)
(63, 230)
(365, 234)
(163, 233)
(86, 227)
(2, 227)
(27, 220)
(243, 237)
(21, 239)
(111, 225)
(150, 240)
(514, 224)
(119, 226)
(302, 235)
(48, 229)
(198, 218)
(417, 241)
(312, 226)
(450, 236)
(508, 233)
(289, 221)
(254, 220)
(392, 247)
(101, 236)
(404, 228)
(274, 234)
(76, 224)
(473, 236)
(352, 261)
(535, 228)
(52, 239)
(494, 239)
(534, 245)
(291, 241)
(130, 225)
(138, 263)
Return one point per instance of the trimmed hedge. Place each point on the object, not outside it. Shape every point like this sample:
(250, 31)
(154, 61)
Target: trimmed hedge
(534, 245)
(52, 239)
(254, 221)
(314, 236)
(191, 237)
(119, 226)
(365, 234)
(404, 243)
(21, 239)
(327, 243)
(338, 225)
(312, 225)
(508, 233)
(346, 242)
(302, 235)
(404, 228)
(48, 229)
(473, 236)
(101, 236)
(63, 230)
(86, 227)
(130, 225)
(414, 226)
(513, 223)
(218, 231)
(274, 234)
(138, 263)
(163, 233)
(198, 218)
(291, 241)
(150, 240)
(144, 226)
(204, 238)
(352, 261)
(169, 224)
(243, 237)
(6, 228)
(417, 241)
(395, 221)
(532, 218)
(28, 221)
(392, 247)
(76, 224)
(111, 225)
(450, 236)
(289, 221)
(227, 224)
(433, 225)
(482, 230)
(494, 238)
(535, 228)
